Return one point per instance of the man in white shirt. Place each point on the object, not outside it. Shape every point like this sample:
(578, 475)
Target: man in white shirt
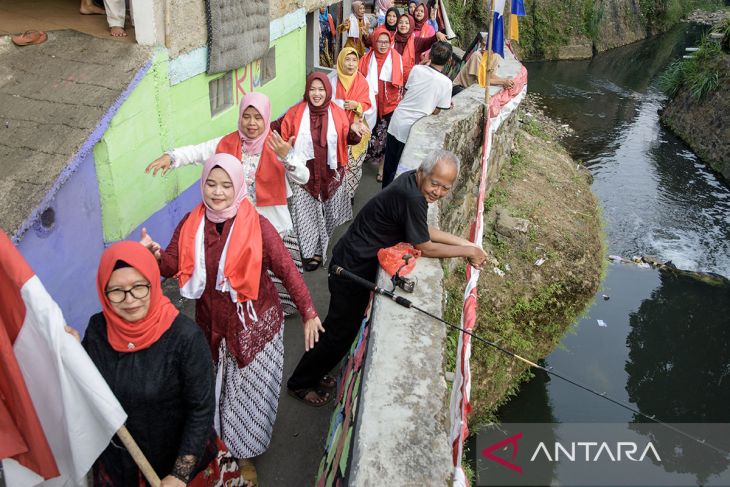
(428, 91)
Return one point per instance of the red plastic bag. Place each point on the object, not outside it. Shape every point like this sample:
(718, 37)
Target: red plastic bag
(391, 259)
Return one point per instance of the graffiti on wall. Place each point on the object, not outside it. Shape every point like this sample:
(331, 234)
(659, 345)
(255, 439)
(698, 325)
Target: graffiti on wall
(335, 465)
(247, 78)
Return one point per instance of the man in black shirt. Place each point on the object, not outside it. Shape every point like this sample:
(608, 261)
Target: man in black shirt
(396, 214)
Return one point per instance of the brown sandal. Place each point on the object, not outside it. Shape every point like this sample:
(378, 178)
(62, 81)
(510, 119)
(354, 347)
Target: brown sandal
(30, 37)
(323, 398)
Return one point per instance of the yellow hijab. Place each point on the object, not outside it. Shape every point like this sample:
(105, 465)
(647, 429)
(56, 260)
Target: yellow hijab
(345, 79)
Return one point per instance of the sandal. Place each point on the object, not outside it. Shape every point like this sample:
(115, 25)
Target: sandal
(328, 382)
(313, 263)
(30, 37)
(323, 398)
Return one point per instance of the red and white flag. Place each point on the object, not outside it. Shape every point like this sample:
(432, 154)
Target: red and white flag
(57, 414)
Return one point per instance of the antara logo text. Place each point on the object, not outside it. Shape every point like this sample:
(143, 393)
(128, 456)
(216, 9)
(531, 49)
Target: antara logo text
(575, 451)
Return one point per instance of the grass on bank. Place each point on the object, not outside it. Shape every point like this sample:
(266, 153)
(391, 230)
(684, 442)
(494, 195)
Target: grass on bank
(551, 24)
(529, 309)
(701, 74)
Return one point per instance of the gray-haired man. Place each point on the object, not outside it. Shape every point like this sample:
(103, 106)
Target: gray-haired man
(396, 214)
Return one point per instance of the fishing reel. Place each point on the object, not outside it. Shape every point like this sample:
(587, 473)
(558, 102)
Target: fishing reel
(408, 285)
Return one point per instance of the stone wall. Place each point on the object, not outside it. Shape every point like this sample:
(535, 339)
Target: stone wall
(402, 432)
(705, 124)
(186, 28)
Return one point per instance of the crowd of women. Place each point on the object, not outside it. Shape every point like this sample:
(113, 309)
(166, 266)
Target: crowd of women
(202, 396)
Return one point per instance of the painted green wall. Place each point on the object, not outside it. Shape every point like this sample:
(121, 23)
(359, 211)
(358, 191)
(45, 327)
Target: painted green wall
(157, 117)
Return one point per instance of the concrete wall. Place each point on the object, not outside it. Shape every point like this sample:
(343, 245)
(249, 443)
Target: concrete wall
(108, 197)
(186, 28)
(157, 117)
(402, 432)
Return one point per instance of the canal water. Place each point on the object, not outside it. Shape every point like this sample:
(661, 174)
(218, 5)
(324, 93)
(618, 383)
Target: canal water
(657, 341)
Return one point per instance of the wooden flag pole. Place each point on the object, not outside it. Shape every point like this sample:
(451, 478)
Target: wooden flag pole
(138, 457)
(487, 96)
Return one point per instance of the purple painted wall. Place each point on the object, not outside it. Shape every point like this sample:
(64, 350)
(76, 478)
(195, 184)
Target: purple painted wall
(162, 224)
(65, 254)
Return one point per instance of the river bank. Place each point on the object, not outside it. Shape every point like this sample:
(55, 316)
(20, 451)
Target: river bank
(578, 29)
(543, 228)
(698, 109)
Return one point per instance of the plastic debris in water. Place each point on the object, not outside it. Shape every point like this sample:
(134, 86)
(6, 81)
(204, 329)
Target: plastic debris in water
(539, 261)
(498, 271)
(616, 258)
(605, 297)
(643, 265)
(602, 323)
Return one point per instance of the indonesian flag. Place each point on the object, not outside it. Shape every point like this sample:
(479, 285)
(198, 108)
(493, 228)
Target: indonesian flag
(57, 414)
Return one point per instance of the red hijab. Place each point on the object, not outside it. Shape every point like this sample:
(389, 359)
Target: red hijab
(123, 335)
(400, 40)
(418, 24)
(380, 57)
(318, 115)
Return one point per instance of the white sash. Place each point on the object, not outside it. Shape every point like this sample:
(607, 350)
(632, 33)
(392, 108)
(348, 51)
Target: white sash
(370, 115)
(304, 146)
(333, 81)
(386, 72)
(354, 30)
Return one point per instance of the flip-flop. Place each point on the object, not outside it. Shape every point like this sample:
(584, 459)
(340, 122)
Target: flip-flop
(30, 37)
(328, 382)
(301, 394)
(312, 264)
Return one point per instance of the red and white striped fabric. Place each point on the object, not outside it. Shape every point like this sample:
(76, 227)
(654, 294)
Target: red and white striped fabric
(57, 414)
(500, 107)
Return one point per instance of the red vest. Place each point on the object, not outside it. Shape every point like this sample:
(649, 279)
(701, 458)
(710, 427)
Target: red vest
(270, 174)
(292, 119)
(409, 58)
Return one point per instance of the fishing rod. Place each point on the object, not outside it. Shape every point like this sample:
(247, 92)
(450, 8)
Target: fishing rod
(407, 303)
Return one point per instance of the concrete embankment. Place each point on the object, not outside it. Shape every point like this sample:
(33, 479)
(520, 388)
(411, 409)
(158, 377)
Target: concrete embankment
(403, 423)
(543, 227)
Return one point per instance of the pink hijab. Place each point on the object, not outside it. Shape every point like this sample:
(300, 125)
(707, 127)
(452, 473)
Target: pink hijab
(262, 105)
(232, 166)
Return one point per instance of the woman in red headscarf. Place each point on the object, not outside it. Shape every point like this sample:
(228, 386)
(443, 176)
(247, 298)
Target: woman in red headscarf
(351, 92)
(410, 47)
(220, 253)
(268, 174)
(383, 68)
(158, 364)
(322, 132)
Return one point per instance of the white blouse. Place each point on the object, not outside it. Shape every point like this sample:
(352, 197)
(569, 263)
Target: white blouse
(296, 171)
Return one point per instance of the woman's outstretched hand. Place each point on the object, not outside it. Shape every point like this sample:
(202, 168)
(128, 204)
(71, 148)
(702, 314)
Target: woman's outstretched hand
(150, 244)
(312, 328)
(280, 146)
(162, 163)
(359, 128)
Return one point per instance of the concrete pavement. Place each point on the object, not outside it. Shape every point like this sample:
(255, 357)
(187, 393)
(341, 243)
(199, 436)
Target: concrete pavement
(52, 96)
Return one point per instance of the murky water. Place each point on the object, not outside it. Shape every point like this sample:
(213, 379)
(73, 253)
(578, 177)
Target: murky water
(657, 197)
(663, 344)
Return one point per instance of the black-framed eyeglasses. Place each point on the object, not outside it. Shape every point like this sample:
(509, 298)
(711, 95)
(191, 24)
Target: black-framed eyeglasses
(138, 292)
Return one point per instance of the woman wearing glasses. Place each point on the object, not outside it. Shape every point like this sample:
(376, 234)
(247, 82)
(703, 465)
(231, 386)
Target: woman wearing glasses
(157, 363)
